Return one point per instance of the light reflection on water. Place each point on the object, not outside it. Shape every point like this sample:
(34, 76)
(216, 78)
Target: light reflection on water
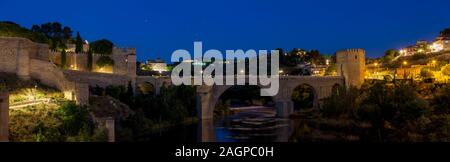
(253, 125)
(250, 125)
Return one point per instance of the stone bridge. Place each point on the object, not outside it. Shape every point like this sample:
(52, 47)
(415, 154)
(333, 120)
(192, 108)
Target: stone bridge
(208, 96)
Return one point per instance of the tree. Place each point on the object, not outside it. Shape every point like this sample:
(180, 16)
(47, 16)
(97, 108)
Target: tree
(314, 56)
(331, 70)
(63, 59)
(66, 33)
(74, 119)
(54, 31)
(128, 96)
(391, 107)
(105, 61)
(303, 97)
(441, 100)
(10, 29)
(446, 70)
(35, 28)
(342, 102)
(78, 44)
(426, 73)
(102, 46)
(389, 55)
(89, 60)
(445, 32)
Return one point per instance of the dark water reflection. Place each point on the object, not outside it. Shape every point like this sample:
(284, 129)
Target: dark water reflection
(249, 125)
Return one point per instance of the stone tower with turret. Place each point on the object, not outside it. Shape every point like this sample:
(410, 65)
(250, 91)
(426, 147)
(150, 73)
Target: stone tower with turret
(351, 64)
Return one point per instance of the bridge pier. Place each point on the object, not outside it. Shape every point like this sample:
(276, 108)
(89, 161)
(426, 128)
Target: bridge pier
(4, 117)
(284, 108)
(157, 90)
(205, 107)
(206, 131)
(110, 128)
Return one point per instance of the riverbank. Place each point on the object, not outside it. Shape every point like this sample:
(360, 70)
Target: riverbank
(165, 125)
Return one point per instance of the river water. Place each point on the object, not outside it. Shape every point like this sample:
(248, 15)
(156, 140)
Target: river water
(246, 125)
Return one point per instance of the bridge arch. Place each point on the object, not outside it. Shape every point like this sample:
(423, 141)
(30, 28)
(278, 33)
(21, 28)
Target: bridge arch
(224, 90)
(304, 96)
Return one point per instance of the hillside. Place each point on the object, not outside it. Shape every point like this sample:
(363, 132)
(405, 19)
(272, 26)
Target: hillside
(425, 59)
(10, 29)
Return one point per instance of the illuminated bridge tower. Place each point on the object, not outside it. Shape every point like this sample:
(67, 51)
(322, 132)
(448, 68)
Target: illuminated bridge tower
(351, 64)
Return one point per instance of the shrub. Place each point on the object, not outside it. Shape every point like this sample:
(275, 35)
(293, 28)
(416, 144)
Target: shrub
(446, 70)
(10, 29)
(426, 73)
(342, 101)
(105, 61)
(102, 47)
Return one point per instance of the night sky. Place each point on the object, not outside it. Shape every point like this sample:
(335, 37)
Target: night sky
(157, 28)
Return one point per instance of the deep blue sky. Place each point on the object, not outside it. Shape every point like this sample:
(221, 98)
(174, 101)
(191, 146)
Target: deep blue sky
(157, 28)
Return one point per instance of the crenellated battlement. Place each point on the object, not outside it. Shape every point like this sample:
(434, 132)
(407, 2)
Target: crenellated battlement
(124, 61)
(352, 51)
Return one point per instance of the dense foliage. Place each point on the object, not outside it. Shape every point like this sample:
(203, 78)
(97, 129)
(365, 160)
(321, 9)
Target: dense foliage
(394, 111)
(297, 56)
(446, 70)
(174, 105)
(389, 55)
(63, 59)
(90, 59)
(10, 29)
(102, 46)
(303, 97)
(56, 33)
(53, 123)
(445, 32)
(104, 61)
(78, 43)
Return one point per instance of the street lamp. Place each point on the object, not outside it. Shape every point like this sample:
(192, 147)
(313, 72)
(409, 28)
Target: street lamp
(376, 69)
(434, 64)
(35, 89)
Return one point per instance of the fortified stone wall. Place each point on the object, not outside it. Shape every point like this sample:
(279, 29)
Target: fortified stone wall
(98, 79)
(28, 60)
(8, 56)
(16, 52)
(124, 61)
(48, 74)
